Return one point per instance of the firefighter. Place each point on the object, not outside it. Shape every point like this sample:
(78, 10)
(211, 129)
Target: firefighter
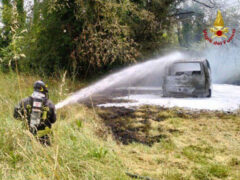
(38, 112)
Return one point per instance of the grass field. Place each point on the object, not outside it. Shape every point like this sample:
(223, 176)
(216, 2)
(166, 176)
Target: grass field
(167, 144)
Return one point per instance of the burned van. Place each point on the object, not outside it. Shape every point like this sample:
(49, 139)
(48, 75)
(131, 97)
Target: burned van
(187, 78)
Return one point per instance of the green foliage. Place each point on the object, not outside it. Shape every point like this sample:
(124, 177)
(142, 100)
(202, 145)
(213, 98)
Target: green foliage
(21, 12)
(198, 154)
(12, 34)
(84, 37)
(218, 170)
(6, 17)
(190, 27)
(167, 145)
(98, 153)
(5, 37)
(201, 174)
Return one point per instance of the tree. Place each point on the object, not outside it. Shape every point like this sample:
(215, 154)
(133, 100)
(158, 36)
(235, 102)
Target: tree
(88, 37)
(10, 50)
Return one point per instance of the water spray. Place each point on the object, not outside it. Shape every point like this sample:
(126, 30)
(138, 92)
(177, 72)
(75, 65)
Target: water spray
(126, 76)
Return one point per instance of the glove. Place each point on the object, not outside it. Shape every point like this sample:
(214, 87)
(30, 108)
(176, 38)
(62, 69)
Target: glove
(44, 132)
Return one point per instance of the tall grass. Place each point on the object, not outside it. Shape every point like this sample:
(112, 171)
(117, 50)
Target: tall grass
(76, 152)
(196, 145)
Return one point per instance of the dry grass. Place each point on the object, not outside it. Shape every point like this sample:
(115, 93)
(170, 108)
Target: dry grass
(196, 145)
(202, 146)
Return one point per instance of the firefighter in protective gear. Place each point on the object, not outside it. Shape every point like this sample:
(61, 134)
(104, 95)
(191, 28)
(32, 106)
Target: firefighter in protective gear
(38, 112)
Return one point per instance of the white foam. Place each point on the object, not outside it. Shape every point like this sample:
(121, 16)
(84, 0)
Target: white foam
(224, 97)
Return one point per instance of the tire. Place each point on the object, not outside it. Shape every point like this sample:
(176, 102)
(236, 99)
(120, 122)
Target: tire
(164, 93)
(209, 93)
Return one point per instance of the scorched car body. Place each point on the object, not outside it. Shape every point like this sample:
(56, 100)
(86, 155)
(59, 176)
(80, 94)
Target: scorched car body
(188, 78)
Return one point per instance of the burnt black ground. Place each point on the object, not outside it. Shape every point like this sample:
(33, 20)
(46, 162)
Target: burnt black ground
(133, 124)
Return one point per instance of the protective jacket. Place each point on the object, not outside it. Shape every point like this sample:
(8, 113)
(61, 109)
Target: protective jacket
(48, 113)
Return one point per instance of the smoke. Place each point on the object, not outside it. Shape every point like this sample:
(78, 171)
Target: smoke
(224, 59)
(225, 62)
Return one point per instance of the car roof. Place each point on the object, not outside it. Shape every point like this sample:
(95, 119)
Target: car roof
(190, 60)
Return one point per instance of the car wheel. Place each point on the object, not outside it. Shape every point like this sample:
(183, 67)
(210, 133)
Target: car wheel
(164, 92)
(209, 93)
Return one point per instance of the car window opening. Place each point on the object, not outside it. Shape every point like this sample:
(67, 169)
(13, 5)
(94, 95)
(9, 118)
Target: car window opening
(179, 69)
